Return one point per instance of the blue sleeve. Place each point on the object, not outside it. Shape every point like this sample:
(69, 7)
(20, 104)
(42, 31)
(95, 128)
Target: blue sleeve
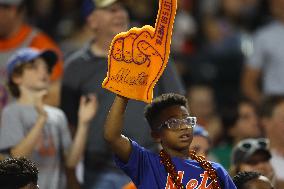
(224, 178)
(135, 166)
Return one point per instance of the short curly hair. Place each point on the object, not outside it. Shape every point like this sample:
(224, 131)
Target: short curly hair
(17, 172)
(159, 103)
(242, 178)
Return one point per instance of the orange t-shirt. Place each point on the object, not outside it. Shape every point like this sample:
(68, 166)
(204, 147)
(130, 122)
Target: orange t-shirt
(39, 40)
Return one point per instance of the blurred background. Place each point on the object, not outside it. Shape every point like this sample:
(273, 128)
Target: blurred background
(220, 51)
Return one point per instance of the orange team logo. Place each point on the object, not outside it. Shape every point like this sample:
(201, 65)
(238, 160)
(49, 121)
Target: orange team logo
(138, 57)
(192, 183)
(45, 146)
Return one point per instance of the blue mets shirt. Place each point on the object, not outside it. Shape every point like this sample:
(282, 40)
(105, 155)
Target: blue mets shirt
(147, 172)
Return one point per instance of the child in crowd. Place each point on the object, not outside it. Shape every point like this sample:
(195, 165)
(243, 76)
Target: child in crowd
(18, 173)
(171, 126)
(31, 129)
(251, 180)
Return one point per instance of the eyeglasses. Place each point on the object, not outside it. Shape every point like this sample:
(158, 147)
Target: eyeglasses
(251, 145)
(176, 124)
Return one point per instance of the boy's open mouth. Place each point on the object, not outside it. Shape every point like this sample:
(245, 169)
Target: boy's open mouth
(185, 137)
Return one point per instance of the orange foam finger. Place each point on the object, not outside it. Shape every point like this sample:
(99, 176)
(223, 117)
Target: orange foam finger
(117, 49)
(164, 25)
(145, 53)
(127, 49)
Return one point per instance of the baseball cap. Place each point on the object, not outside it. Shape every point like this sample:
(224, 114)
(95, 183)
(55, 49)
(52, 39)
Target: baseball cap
(198, 130)
(248, 147)
(11, 2)
(90, 5)
(103, 3)
(25, 55)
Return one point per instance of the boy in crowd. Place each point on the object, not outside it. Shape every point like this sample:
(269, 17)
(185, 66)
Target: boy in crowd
(18, 173)
(105, 19)
(31, 129)
(171, 125)
(251, 180)
(17, 33)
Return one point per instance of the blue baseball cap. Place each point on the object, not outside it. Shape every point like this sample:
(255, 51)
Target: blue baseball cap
(200, 131)
(26, 55)
(90, 5)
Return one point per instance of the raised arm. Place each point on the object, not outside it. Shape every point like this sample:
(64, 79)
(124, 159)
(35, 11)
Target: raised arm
(26, 146)
(119, 144)
(87, 110)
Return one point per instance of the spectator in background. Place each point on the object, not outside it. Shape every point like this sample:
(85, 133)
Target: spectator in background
(31, 129)
(106, 18)
(184, 28)
(266, 64)
(272, 116)
(252, 180)
(200, 141)
(18, 173)
(79, 31)
(201, 101)
(223, 41)
(240, 121)
(15, 33)
(252, 155)
(218, 45)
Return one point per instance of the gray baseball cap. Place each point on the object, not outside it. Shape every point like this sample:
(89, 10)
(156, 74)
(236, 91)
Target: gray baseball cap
(11, 2)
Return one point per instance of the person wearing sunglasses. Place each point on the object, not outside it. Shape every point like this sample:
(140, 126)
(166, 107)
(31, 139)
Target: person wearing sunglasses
(252, 155)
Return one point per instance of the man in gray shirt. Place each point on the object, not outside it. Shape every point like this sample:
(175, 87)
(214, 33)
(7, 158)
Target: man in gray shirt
(267, 61)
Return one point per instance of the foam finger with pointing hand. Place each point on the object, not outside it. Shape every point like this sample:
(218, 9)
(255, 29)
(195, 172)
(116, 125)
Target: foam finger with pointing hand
(137, 58)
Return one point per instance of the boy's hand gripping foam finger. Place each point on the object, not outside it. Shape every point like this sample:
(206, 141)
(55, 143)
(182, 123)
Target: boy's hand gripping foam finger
(137, 58)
